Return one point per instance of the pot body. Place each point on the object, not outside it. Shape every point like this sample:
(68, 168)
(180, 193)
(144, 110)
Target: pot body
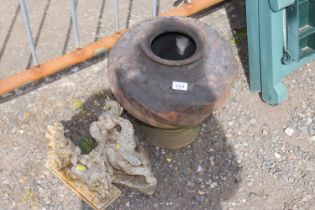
(171, 72)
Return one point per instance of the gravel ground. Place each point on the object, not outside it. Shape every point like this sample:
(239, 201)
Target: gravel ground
(248, 156)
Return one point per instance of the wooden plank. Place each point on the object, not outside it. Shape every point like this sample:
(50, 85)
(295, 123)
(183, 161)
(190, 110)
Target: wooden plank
(82, 190)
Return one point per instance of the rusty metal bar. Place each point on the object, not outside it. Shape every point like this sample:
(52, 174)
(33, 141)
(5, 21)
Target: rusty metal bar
(191, 8)
(82, 54)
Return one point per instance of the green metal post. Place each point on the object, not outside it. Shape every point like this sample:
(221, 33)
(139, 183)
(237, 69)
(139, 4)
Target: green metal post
(281, 38)
(253, 38)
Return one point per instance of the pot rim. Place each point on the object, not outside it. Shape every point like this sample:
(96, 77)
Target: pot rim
(172, 25)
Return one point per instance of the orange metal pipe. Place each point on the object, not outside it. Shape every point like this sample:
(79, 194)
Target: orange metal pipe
(79, 55)
(192, 8)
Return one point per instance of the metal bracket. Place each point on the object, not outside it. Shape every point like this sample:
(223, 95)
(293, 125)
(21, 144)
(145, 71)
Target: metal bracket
(286, 59)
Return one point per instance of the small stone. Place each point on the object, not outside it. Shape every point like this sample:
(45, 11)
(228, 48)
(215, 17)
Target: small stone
(309, 121)
(213, 185)
(305, 199)
(168, 159)
(293, 157)
(156, 206)
(60, 104)
(264, 132)
(199, 169)
(128, 204)
(252, 195)
(223, 178)
(312, 138)
(250, 184)
(212, 160)
(200, 192)
(289, 131)
(253, 121)
(26, 116)
(190, 184)
(308, 196)
(278, 156)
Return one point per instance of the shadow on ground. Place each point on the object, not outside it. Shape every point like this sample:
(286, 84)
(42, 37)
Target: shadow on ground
(181, 185)
(236, 13)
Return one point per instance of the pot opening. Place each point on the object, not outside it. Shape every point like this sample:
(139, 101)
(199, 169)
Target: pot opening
(173, 46)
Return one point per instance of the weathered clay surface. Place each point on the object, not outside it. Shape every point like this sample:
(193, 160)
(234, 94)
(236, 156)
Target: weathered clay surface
(116, 158)
(141, 71)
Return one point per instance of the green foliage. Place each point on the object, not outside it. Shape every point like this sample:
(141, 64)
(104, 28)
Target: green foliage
(239, 36)
(77, 104)
(87, 144)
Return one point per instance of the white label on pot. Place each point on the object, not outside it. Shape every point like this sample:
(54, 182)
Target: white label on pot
(180, 85)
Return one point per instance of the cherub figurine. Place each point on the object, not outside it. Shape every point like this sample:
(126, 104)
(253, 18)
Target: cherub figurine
(129, 163)
(61, 149)
(124, 162)
(91, 170)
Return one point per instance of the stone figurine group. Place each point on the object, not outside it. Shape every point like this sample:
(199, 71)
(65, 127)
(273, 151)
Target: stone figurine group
(116, 159)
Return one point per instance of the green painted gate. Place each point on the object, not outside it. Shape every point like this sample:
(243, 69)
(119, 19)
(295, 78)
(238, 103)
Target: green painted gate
(281, 38)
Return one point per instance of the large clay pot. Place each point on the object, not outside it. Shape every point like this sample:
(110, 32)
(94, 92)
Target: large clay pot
(171, 72)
